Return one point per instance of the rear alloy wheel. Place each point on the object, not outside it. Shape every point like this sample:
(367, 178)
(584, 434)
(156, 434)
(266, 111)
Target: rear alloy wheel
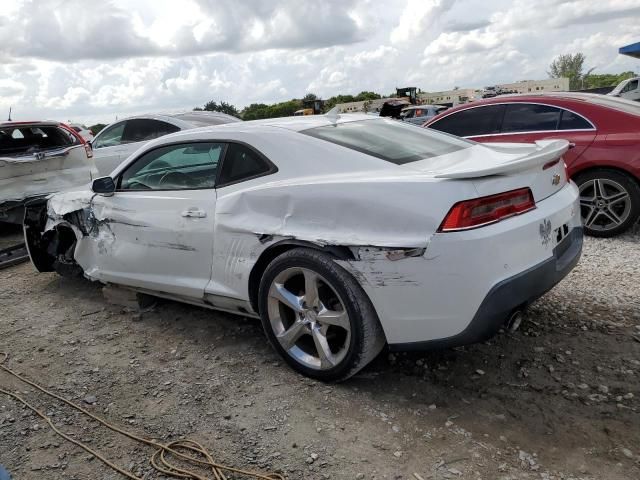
(317, 316)
(609, 202)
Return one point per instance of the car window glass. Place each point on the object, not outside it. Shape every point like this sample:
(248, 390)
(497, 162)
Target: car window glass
(572, 121)
(632, 85)
(174, 167)
(240, 163)
(529, 117)
(144, 129)
(473, 121)
(111, 137)
(389, 140)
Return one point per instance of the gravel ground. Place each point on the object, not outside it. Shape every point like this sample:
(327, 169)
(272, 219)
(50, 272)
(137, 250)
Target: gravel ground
(558, 399)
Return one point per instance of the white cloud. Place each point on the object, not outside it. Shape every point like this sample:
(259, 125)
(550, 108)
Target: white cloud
(117, 57)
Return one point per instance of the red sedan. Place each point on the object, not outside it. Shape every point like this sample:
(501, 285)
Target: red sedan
(604, 131)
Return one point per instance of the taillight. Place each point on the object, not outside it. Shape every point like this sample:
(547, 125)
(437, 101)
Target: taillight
(486, 210)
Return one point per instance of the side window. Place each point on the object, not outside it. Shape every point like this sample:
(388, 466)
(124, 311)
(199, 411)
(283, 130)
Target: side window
(529, 117)
(571, 121)
(142, 129)
(632, 85)
(241, 163)
(111, 137)
(174, 167)
(472, 122)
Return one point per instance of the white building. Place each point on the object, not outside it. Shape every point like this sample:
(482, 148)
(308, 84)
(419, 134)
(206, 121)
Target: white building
(537, 86)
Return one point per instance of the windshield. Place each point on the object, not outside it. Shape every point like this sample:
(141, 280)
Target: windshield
(390, 140)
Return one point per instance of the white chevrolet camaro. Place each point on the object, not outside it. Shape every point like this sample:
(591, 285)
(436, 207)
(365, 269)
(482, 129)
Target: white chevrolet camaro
(342, 233)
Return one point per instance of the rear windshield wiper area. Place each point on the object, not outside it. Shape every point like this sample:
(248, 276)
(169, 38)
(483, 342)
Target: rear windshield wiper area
(25, 140)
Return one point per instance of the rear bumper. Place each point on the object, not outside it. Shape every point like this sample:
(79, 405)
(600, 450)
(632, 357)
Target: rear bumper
(510, 294)
(437, 296)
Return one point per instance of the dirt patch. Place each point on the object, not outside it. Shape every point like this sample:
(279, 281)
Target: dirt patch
(557, 399)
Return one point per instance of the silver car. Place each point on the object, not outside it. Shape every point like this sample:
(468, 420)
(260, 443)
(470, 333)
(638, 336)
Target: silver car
(418, 114)
(117, 141)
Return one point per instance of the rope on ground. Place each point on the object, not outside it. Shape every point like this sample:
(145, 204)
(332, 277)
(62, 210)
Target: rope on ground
(160, 460)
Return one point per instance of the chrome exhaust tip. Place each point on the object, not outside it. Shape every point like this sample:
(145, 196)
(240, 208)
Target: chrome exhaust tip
(514, 321)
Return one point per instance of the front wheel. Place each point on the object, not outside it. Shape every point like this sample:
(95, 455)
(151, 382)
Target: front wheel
(609, 202)
(317, 316)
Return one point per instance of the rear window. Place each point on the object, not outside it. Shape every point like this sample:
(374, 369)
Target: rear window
(530, 117)
(29, 139)
(573, 121)
(389, 140)
(482, 120)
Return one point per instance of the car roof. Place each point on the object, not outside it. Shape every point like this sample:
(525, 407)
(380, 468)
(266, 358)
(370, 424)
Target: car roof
(296, 123)
(603, 101)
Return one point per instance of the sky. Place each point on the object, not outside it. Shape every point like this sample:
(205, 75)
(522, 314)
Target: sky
(74, 60)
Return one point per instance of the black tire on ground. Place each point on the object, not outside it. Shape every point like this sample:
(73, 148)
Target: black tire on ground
(367, 337)
(627, 183)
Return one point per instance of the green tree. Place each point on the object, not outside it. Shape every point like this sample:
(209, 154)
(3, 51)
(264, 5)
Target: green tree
(606, 79)
(367, 96)
(222, 107)
(309, 97)
(97, 128)
(256, 111)
(570, 66)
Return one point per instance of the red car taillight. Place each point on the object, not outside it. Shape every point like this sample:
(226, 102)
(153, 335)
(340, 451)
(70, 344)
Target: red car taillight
(485, 210)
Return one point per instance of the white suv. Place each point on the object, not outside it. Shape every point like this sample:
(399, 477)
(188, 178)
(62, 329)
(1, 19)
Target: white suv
(117, 141)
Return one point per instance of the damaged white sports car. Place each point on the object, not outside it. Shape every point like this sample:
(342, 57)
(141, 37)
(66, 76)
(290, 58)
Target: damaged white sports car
(340, 233)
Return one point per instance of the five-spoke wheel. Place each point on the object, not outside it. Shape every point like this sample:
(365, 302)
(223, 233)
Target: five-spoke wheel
(317, 316)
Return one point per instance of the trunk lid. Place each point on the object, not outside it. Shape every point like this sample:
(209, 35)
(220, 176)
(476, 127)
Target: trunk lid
(501, 167)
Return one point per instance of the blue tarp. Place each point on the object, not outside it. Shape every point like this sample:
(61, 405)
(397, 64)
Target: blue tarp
(632, 50)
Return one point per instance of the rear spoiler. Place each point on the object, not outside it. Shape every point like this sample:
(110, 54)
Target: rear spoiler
(525, 157)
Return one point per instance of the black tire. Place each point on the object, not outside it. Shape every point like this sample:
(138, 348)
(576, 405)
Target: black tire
(624, 182)
(366, 339)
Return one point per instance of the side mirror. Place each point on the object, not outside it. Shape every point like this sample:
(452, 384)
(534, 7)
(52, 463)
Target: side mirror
(103, 186)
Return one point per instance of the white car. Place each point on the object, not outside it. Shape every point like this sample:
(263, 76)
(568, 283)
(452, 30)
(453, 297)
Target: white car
(342, 233)
(117, 141)
(82, 130)
(629, 89)
(37, 159)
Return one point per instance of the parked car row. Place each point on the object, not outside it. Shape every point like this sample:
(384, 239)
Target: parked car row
(344, 233)
(604, 158)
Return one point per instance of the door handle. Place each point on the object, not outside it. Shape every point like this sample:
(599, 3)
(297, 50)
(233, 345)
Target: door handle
(194, 213)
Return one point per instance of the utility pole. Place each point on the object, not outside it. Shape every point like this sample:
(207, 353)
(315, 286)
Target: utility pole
(9, 119)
